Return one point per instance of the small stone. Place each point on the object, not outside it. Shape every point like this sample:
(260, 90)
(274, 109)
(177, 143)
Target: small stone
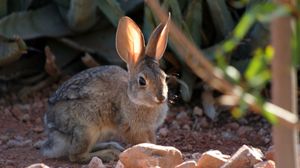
(227, 135)
(25, 117)
(182, 116)
(38, 129)
(196, 155)
(38, 165)
(96, 163)
(175, 125)
(265, 164)
(233, 126)
(39, 144)
(186, 127)
(269, 155)
(212, 159)
(244, 130)
(163, 131)
(119, 165)
(203, 122)
(187, 164)
(245, 157)
(198, 111)
(151, 155)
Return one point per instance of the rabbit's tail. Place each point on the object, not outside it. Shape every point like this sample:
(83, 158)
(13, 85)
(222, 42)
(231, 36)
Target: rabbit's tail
(56, 145)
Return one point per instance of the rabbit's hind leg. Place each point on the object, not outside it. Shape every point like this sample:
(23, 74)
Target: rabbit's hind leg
(83, 139)
(107, 145)
(106, 154)
(56, 145)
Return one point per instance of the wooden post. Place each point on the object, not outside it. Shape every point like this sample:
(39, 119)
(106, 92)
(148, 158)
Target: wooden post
(284, 91)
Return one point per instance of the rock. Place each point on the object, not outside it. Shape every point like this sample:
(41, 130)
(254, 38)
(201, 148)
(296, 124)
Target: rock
(212, 159)
(265, 164)
(38, 129)
(203, 122)
(96, 163)
(197, 111)
(228, 135)
(25, 117)
(38, 165)
(119, 165)
(187, 164)
(244, 130)
(38, 144)
(163, 132)
(151, 155)
(233, 126)
(186, 127)
(245, 157)
(269, 155)
(196, 155)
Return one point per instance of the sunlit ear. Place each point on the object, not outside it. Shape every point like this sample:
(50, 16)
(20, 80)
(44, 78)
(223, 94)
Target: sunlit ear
(158, 41)
(130, 42)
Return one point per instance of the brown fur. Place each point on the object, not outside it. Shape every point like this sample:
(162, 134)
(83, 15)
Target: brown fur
(104, 103)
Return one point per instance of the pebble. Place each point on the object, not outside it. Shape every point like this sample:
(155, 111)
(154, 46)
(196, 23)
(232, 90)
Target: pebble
(96, 163)
(203, 122)
(243, 130)
(227, 135)
(38, 165)
(186, 127)
(198, 111)
(38, 129)
(25, 117)
(163, 131)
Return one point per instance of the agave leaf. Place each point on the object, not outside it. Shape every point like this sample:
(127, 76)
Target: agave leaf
(194, 20)
(45, 21)
(82, 14)
(3, 8)
(102, 43)
(111, 9)
(64, 54)
(221, 18)
(11, 50)
(149, 22)
(189, 79)
(131, 5)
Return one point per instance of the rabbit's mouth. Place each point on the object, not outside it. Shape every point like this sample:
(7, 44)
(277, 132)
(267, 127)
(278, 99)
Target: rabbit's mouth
(150, 102)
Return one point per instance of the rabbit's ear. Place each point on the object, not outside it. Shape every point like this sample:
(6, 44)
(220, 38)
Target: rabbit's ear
(158, 41)
(130, 42)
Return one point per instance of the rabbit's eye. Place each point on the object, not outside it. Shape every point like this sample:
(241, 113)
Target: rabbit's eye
(142, 81)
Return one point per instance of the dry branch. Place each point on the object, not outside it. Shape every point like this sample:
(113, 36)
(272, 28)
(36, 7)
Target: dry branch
(195, 59)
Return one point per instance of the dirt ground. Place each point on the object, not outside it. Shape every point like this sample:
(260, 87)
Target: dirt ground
(186, 128)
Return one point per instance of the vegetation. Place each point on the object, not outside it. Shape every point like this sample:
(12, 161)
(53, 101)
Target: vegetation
(43, 39)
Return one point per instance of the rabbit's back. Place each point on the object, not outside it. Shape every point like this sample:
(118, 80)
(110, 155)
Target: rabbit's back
(90, 82)
(88, 98)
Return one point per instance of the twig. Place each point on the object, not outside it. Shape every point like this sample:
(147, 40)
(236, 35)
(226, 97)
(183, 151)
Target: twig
(213, 76)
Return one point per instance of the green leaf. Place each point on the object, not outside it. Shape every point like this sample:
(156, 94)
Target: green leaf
(194, 20)
(268, 115)
(82, 14)
(111, 9)
(3, 8)
(100, 42)
(221, 17)
(149, 22)
(11, 50)
(45, 21)
(296, 42)
(258, 73)
(244, 25)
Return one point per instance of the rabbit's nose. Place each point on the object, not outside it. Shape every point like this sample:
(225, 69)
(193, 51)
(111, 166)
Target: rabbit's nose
(161, 98)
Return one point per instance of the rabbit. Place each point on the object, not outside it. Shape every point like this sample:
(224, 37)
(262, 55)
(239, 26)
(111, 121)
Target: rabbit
(106, 102)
